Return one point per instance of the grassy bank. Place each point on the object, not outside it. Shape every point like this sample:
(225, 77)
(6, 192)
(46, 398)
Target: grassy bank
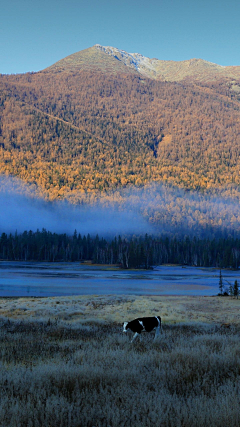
(65, 362)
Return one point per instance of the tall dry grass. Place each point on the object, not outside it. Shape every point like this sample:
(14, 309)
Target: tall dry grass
(59, 374)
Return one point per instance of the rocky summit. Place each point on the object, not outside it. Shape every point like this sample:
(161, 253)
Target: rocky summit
(112, 59)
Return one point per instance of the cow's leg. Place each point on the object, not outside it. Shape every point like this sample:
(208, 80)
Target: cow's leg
(135, 336)
(157, 332)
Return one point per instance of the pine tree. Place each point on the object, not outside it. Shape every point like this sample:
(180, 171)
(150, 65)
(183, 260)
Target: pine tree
(231, 292)
(220, 283)
(236, 289)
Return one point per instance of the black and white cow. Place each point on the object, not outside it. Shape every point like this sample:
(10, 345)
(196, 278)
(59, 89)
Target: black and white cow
(143, 324)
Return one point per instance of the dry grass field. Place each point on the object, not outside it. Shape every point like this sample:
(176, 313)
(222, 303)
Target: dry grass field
(66, 363)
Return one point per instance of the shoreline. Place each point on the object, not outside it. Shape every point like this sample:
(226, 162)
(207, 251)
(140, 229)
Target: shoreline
(117, 267)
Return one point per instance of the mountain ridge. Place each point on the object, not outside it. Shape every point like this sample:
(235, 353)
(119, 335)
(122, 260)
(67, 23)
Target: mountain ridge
(111, 59)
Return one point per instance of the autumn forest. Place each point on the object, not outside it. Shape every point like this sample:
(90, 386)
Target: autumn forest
(90, 136)
(95, 132)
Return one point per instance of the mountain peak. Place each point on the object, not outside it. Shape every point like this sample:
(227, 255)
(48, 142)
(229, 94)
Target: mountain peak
(109, 59)
(140, 63)
(92, 59)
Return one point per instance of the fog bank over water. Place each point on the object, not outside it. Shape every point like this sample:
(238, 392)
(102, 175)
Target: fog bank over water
(153, 209)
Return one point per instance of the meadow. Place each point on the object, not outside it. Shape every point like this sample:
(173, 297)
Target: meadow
(66, 363)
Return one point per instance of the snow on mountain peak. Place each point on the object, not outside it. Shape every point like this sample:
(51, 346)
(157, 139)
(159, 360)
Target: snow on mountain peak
(165, 70)
(134, 60)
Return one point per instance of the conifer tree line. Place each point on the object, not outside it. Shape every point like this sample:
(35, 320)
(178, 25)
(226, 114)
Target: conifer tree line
(132, 252)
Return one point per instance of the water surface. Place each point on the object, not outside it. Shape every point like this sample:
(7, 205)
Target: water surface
(56, 279)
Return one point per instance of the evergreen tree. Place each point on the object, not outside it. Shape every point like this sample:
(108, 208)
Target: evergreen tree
(230, 290)
(236, 289)
(220, 283)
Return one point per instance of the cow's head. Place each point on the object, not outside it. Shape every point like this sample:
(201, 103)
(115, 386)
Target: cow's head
(125, 327)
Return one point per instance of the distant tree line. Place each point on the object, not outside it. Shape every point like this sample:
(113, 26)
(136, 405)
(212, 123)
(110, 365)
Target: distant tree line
(135, 252)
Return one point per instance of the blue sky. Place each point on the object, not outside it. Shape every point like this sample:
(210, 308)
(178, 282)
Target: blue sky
(36, 33)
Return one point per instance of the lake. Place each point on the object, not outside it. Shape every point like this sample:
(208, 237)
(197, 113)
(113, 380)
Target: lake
(41, 279)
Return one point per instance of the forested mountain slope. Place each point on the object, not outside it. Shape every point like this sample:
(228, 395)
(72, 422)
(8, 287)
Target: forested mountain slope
(93, 131)
(109, 127)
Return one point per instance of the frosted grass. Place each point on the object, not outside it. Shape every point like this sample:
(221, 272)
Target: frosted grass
(82, 371)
